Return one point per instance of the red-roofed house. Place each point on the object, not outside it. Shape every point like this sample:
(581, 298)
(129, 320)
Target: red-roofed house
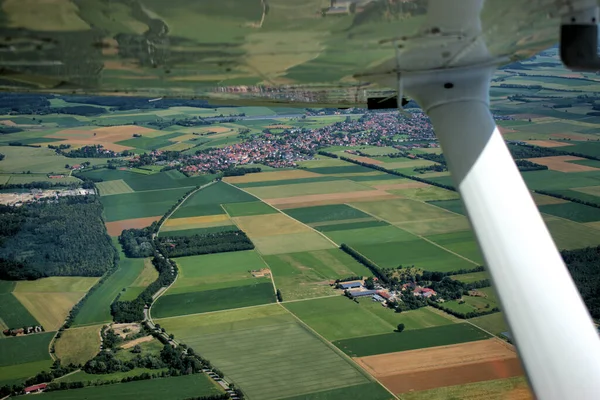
(384, 294)
(425, 292)
(36, 388)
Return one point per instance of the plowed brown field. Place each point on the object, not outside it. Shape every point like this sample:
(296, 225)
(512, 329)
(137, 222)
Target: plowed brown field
(115, 228)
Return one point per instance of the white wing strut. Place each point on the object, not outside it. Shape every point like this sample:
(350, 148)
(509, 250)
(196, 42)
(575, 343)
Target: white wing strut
(553, 331)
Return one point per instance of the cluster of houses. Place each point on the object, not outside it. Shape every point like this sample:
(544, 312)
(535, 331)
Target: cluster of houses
(357, 288)
(23, 331)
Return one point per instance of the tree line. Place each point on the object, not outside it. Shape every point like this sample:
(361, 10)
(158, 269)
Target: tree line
(458, 314)
(63, 237)
(208, 243)
(525, 165)
(569, 198)
(241, 171)
(132, 311)
(374, 268)
(46, 185)
(584, 266)
(524, 150)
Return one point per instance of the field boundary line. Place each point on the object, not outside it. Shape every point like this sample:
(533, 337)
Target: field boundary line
(217, 311)
(179, 205)
(338, 351)
(312, 298)
(278, 210)
(423, 237)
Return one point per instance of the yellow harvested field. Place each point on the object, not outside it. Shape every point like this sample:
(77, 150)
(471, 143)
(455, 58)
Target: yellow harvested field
(106, 136)
(543, 200)
(332, 198)
(409, 164)
(269, 225)
(149, 274)
(404, 185)
(437, 357)
(78, 345)
(436, 226)
(547, 143)
(205, 219)
(272, 176)
(57, 284)
(178, 147)
(595, 224)
(115, 228)
(50, 309)
(559, 163)
(8, 122)
(132, 343)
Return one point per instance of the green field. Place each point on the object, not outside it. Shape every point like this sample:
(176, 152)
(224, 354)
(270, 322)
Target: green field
(7, 286)
(428, 193)
(140, 182)
(307, 274)
(573, 211)
(212, 268)
(472, 277)
(15, 374)
(554, 180)
(172, 305)
(25, 349)
(350, 168)
(347, 225)
(493, 323)
(402, 210)
(473, 303)
(57, 284)
(411, 340)
(208, 200)
(462, 243)
(305, 189)
(365, 391)
(96, 308)
(13, 314)
(38, 160)
(139, 205)
(456, 206)
(286, 182)
(572, 235)
(419, 253)
(82, 376)
(291, 243)
(338, 317)
(335, 212)
(151, 143)
(369, 235)
(113, 187)
(248, 209)
(264, 336)
(78, 345)
(148, 275)
(173, 388)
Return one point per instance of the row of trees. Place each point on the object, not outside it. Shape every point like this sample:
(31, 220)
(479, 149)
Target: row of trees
(208, 243)
(374, 268)
(519, 151)
(131, 311)
(526, 165)
(458, 314)
(2, 156)
(569, 198)
(93, 151)
(584, 266)
(63, 237)
(240, 171)
(400, 174)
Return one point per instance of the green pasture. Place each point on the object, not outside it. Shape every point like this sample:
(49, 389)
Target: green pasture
(583, 194)
(151, 143)
(199, 231)
(38, 160)
(334, 212)
(348, 225)
(411, 340)
(455, 206)
(419, 253)
(248, 209)
(573, 211)
(404, 210)
(471, 277)
(172, 305)
(307, 274)
(25, 349)
(429, 193)
(285, 182)
(350, 168)
(457, 223)
(172, 388)
(142, 182)
(554, 180)
(304, 189)
(139, 204)
(82, 376)
(7, 286)
(337, 318)
(462, 243)
(17, 373)
(309, 365)
(493, 323)
(365, 391)
(368, 235)
(208, 200)
(291, 243)
(113, 187)
(96, 308)
(13, 314)
(57, 284)
(570, 235)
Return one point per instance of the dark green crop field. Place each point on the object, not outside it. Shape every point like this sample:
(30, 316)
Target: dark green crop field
(208, 200)
(411, 340)
(573, 211)
(213, 300)
(334, 212)
(25, 349)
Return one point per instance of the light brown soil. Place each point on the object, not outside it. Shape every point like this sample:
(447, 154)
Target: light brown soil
(337, 198)
(504, 130)
(269, 225)
(548, 143)
(261, 273)
(367, 160)
(107, 136)
(119, 328)
(436, 357)
(8, 123)
(559, 163)
(407, 185)
(132, 343)
(115, 228)
(459, 375)
(332, 201)
(272, 176)
(443, 366)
